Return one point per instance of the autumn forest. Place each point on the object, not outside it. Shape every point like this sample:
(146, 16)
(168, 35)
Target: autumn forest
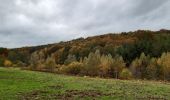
(141, 54)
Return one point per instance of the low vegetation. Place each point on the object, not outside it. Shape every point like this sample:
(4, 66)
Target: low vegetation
(17, 84)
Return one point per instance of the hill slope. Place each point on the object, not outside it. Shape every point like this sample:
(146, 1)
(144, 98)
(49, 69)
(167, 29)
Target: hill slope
(141, 54)
(107, 44)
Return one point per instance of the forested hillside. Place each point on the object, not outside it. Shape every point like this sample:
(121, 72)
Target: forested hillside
(141, 54)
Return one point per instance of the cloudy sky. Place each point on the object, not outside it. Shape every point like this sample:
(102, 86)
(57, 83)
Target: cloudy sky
(35, 22)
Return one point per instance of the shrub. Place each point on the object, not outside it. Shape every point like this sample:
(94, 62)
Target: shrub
(7, 63)
(74, 68)
(126, 74)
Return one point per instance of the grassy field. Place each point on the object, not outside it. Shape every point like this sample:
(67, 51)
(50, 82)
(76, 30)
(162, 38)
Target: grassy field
(17, 84)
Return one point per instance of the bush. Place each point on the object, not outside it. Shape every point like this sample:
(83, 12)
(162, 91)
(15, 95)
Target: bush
(7, 63)
(125, 74)
(74, 68)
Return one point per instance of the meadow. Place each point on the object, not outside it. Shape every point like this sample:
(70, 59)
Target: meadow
(16, 84)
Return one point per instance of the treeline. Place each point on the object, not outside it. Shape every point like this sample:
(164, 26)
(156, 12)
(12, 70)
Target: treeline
(143, 67)
(115, 49)
(153, 44)
(127, 45)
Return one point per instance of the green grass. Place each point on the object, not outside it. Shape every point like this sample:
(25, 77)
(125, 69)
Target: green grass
(17, 84)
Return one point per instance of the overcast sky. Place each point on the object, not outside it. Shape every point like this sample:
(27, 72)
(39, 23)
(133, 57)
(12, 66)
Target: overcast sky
(35, 22)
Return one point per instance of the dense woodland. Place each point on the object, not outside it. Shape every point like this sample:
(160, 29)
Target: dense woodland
(142, 54)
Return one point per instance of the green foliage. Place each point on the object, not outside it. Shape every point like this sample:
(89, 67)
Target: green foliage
(148, 43)
(64, 55)
(131, 51)
(126, 74)
(16, 56)
(161, 44)
(28, 85)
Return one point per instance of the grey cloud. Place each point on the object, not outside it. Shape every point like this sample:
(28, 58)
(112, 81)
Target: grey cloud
(34, 22)
(146, 6)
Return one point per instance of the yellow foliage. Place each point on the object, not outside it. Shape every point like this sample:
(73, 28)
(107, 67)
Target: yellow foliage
(164, 62)
(74, 68)
(7, 63)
